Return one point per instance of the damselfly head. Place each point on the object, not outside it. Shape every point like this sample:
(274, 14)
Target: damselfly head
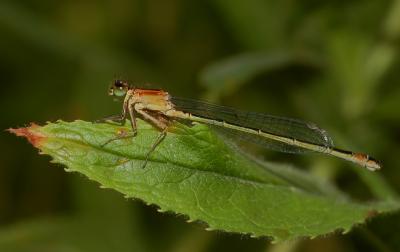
(118, 88)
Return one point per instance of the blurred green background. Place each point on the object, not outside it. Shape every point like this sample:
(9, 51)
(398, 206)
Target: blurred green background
(335, 63)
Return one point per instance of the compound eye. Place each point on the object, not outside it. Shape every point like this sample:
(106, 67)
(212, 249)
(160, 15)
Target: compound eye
(119, 84)
(119, 92)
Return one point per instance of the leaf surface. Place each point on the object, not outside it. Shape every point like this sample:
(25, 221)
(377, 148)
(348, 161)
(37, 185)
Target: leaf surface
(194, 173)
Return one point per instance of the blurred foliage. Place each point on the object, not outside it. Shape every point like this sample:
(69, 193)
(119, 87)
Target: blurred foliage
(57, 59)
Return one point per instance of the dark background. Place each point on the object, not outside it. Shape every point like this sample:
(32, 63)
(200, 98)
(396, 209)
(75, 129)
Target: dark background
(332, 62)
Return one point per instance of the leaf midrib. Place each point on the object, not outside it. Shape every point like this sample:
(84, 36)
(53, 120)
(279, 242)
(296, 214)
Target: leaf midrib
(194, 169)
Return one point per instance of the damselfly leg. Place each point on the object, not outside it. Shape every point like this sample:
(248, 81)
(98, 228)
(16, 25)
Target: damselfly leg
(159, 139)
(113, 118)
(160, 122)
(121, 120)
(121, 135)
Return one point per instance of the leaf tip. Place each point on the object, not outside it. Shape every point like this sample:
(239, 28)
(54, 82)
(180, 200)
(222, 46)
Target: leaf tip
(30, 133)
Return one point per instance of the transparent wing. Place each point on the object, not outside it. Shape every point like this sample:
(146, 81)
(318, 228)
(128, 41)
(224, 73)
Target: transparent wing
(286, 127)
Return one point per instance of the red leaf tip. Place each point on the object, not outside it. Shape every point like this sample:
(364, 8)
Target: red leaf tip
(33, 136)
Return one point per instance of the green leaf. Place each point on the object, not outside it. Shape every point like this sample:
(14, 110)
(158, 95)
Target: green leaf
(194, 173)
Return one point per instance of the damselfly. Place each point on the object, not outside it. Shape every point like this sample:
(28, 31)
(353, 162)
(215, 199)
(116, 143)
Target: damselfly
(278, 133)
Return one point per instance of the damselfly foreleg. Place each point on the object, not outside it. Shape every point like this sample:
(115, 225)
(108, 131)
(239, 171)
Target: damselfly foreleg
(121, 119)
